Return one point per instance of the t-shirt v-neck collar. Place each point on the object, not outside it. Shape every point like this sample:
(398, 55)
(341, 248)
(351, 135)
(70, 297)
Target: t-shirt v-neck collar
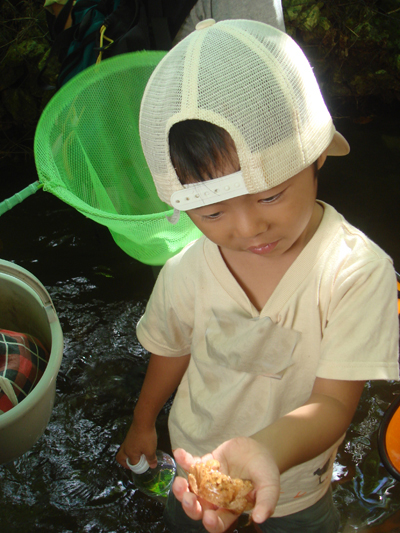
(293, 277)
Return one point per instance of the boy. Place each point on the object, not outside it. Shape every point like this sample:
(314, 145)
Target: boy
(271, 323)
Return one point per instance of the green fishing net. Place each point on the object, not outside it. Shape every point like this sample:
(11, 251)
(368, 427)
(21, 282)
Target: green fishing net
(88, 154)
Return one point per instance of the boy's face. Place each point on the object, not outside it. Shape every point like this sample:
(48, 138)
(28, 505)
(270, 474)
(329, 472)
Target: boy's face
(267, 224)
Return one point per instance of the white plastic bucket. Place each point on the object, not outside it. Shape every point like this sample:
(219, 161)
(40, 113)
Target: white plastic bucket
(26, 307)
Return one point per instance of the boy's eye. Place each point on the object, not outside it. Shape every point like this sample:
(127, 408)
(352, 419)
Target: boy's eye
(270, 199)
(212, 216)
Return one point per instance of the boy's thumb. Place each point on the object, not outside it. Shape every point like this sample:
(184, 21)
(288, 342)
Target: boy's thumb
(266, 500)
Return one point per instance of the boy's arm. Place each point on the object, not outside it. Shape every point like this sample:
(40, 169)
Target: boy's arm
(163, 376)
(315, 426)
(293, 439)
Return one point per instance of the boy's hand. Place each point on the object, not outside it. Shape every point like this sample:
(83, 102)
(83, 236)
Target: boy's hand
(163, 375)
(138, 441)
(239, 458)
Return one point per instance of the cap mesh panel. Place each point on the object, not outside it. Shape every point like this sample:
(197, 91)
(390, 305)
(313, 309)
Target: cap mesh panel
(250, 79)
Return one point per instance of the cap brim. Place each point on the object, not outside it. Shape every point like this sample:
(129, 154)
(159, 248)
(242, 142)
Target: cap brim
(339, 145)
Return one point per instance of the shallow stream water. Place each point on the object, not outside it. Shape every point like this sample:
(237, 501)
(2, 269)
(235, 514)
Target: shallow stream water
(69, 481)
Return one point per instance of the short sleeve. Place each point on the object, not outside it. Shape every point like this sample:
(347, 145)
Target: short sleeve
(166, 326)
(361, 335)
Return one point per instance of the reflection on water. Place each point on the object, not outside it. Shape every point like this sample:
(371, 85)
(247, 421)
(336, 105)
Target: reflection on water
(364, 492)
(69, 481)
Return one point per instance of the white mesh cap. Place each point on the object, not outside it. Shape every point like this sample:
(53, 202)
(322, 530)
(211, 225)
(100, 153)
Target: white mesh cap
(255, 82)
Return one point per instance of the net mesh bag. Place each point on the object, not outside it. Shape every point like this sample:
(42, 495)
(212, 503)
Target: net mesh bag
(88, 154)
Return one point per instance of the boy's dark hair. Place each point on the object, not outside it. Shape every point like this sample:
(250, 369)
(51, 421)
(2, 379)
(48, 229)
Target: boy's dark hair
(199, 150)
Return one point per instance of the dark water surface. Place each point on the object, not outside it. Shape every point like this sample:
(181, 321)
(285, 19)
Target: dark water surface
(69, 481)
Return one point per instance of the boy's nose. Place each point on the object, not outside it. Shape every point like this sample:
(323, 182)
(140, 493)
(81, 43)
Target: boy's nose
(250, 224)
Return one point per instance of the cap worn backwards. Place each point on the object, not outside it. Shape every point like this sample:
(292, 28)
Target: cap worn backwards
(255, 82)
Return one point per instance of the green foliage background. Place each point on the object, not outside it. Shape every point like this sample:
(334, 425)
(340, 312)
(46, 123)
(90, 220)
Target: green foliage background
(354, 47)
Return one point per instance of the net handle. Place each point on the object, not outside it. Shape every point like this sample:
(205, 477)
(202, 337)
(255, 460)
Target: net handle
(19, 197)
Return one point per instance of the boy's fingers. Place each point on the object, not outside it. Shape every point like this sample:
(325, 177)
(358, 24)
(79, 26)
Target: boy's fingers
(179, 487)
(218, 521)
(260, 514)
(133, 459)
(186, 460)
(266, 500)
(189, 501)
(121, 458)
(152, 460)
(191, 506)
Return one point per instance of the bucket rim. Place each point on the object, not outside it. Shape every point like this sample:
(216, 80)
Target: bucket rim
(56, 339)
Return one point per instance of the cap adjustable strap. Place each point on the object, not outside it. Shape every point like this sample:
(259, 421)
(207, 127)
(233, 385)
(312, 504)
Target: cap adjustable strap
(209, 192)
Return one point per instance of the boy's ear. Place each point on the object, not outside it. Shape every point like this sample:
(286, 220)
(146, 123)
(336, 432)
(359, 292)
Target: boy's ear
(322, 158)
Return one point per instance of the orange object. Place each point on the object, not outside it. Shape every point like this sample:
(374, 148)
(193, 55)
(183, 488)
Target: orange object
(398, 299)
(389, 439)
(393, 439)
(389, 431)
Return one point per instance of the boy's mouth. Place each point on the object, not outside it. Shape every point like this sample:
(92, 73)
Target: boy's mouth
(262, 248)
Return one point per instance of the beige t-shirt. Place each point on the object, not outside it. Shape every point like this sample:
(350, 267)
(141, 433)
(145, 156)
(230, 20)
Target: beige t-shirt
(333, 315)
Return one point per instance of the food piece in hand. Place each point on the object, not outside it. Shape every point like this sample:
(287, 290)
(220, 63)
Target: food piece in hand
(206, 481)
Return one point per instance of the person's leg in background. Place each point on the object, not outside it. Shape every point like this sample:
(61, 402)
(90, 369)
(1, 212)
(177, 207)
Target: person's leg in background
(267, 11)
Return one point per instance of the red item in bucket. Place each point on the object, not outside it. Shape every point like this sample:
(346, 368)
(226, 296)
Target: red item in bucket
(23, 359)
